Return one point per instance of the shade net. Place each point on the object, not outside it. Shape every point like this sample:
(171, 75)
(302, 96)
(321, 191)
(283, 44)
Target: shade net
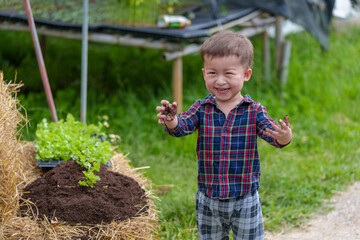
(138, 17)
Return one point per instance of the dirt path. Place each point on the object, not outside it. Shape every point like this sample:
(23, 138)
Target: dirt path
(342, 223)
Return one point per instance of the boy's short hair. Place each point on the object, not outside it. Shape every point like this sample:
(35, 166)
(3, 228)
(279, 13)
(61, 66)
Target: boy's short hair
(228, 43)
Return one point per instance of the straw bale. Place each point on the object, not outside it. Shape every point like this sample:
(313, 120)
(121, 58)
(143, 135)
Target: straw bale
(141, 227)
(11, 125)
(18, 169)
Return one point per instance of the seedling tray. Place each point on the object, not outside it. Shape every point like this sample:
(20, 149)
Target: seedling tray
(48, 165)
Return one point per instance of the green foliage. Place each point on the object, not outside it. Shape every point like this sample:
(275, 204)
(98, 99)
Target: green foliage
(71, 139)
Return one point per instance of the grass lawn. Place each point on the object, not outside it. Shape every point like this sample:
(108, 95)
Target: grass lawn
(321, 98)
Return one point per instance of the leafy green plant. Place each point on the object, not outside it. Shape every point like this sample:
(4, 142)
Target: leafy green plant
(71, 139)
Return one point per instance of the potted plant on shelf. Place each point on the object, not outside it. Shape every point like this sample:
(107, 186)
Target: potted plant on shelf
(72, 140)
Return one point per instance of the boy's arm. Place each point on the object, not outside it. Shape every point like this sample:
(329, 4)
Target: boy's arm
(167, 114)
(283, 134)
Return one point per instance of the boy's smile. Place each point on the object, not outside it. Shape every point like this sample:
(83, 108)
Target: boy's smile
(224, 78)
(222, 91)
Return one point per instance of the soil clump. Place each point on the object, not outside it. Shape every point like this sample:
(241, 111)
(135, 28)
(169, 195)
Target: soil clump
(59, 197)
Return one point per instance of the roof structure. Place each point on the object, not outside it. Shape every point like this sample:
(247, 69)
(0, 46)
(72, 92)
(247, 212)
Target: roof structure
(139, 20)
(203, 24)
(138, 28)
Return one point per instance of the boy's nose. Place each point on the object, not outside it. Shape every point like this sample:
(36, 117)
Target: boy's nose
(220, 79)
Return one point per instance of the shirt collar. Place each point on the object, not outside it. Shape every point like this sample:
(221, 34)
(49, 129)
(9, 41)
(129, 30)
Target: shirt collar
(247, 99)
(211, 99)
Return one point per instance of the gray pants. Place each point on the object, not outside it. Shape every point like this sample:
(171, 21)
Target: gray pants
(216, 217)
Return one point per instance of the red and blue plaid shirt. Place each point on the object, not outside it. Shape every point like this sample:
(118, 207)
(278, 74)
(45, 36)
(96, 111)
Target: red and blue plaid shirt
(228, 158)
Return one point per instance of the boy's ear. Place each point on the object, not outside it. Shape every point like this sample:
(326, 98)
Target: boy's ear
(247, 74)
(203, 71)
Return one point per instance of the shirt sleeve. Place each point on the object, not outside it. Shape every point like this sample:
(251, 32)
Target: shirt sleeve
(187, 122)
(262, 122)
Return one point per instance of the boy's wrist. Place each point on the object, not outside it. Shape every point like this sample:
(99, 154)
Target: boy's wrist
(284, 143)
(171, 124)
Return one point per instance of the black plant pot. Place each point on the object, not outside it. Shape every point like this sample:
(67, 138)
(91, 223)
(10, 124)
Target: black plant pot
(48, 165)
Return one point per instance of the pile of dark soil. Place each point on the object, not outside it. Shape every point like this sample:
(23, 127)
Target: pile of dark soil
(58, 195)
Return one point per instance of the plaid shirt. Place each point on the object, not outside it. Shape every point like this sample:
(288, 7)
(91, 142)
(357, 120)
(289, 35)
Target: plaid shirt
(228, 158)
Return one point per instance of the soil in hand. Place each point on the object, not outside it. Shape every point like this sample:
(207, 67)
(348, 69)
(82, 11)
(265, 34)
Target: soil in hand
(170, 112)
(59, 195)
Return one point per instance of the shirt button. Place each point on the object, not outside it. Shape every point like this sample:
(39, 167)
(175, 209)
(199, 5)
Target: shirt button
(224, 154)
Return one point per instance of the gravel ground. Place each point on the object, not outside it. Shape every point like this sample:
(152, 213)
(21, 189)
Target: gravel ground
(342, 223)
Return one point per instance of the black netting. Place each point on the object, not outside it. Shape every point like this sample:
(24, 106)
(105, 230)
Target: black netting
(313, 15)
(140, 19)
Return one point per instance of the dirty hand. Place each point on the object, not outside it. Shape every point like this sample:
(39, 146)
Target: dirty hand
(282, 134)
(167, 112)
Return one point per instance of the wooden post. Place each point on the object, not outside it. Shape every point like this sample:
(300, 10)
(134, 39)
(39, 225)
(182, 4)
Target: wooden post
(266, 56)
(177, 82)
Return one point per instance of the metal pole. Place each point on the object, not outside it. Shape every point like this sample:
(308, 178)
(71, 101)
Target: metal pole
(279, 38)
(266, 57)
(84, 62)
(40, 60)
(285, 62)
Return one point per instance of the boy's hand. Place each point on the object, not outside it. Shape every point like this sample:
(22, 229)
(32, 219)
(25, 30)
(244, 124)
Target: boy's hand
(282, 134)
(167, 113)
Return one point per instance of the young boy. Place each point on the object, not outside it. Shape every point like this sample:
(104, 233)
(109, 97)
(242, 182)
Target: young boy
(228, 125)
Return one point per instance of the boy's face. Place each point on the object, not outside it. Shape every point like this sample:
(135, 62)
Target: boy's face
(224, 78)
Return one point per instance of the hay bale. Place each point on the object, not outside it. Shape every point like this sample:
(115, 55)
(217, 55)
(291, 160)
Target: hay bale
(10, 150)
(18, 169)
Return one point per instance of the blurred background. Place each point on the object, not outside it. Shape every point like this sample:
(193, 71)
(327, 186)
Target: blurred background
(321, 97)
